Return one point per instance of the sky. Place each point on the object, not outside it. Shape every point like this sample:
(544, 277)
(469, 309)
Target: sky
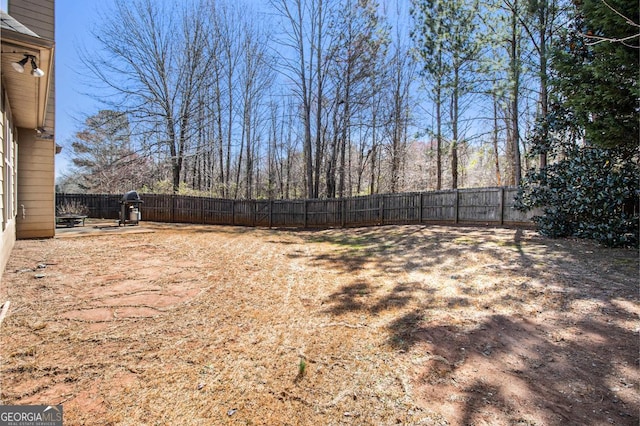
(75, 20)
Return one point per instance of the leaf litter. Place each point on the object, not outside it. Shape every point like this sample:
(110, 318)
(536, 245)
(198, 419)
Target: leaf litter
(389, 325)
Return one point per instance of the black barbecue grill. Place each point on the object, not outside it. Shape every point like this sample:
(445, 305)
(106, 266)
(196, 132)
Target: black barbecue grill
(130, 209)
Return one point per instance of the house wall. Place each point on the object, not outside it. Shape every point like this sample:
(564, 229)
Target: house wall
(27, 204)
(36, 191)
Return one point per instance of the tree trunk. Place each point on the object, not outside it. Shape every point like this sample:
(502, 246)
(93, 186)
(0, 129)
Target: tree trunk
(454, 129)
(496, 132)
(544, 90)
(438, 136)
(346, 123)
(319, 96)
(374, 153)
(515, 95)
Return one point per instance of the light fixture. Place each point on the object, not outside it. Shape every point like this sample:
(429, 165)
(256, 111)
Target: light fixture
(36, 72)
(19, 66)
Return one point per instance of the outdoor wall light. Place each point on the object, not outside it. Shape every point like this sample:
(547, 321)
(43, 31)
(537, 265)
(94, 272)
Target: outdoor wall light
(19, 66)
(36, 72)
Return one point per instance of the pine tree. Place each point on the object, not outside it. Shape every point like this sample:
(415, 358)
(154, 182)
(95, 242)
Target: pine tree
(597, 72)
(104, 157)
(445, 34)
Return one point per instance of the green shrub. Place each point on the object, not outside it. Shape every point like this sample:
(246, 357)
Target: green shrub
(589, 193)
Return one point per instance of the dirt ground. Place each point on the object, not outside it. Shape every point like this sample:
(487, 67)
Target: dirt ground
(415, 325)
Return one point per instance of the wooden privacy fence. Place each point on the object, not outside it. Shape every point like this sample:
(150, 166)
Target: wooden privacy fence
(480, 205)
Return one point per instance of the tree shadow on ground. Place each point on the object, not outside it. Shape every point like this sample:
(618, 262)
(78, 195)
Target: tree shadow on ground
(584, 374)
(574, 361)
(360, 296)
(578, 268)
(350, 298)
(397, 248)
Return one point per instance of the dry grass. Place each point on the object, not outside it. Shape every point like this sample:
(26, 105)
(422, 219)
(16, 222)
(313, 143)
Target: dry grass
(394, 325)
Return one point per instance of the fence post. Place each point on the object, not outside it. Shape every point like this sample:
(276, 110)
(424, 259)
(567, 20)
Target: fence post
(343, 212)
(501, 205)
(305, 213)
(456, 205)
(270, 213)
(381, 206)
(233, 212)
(105, 211)
(173, 208)
(420, 207)
(254, 212)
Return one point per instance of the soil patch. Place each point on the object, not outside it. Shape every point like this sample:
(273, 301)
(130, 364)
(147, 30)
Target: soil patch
(416, 325)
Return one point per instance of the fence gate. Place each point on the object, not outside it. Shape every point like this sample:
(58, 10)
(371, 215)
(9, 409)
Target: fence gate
(263, 213)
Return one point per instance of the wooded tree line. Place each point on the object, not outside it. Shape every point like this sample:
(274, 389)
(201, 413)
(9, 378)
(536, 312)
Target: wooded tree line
(316, 98)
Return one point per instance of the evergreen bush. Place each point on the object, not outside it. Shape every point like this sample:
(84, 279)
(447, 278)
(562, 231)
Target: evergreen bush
(590, 193)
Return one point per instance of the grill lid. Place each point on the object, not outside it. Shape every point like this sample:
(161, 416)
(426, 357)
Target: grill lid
(131, 196)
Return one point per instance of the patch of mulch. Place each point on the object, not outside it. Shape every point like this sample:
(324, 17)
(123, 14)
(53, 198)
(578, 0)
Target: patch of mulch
(416, 325)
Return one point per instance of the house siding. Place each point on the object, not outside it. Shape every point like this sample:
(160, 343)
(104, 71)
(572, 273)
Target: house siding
(36, 210)
(37, 15)
(36, 164)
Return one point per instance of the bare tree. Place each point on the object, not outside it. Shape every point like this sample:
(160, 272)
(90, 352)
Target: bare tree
(359, 47)
(332, 114)
(398, 116)
(226, 45)
(152, 64)
(301, 21)
(255, 79)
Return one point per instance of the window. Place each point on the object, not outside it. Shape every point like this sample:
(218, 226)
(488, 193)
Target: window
(9, 191)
